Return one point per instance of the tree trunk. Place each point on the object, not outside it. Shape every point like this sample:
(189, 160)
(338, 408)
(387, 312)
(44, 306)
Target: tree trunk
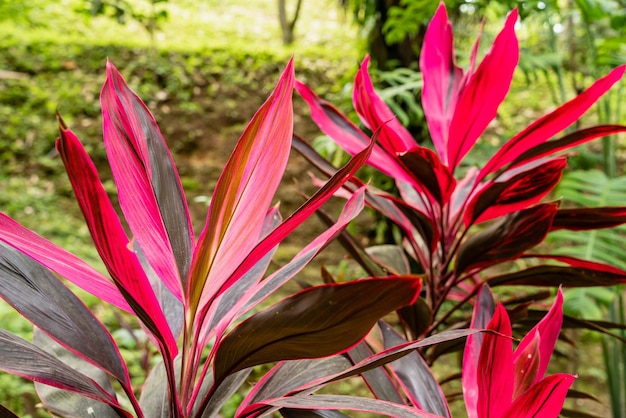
(287, 26)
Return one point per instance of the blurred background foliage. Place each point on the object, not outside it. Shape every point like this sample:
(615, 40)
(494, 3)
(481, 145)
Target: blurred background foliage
(204, 66)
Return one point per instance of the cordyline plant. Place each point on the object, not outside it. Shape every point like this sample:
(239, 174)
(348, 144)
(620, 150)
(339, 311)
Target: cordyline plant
(188, 294)
(459, 221)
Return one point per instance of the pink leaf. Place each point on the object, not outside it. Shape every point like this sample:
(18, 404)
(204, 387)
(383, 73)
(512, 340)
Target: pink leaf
(337, 126)
(544, 399)
(495, 367)
(111, 240)
(548, 330)
(479, 101)
(149, 189)
(544, 128)
(375, 114)
(60, 261)
(429, 174)
(442, 80)
(526, 363)
(243, 193)
(483, 312)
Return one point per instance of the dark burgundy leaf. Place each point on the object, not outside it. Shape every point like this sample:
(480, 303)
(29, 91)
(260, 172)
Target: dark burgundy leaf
(41, 298)
(378, 379)
(337, 315)
(580, 219)
(308, 413)
(6, 413)
(557, 276)
(287, 376)
(506, 239)
(429, 173)
(67, 404)
(351, 403)
(415, 376)
(26, 360)
(423, 225)
(417, 317)
(515, 193)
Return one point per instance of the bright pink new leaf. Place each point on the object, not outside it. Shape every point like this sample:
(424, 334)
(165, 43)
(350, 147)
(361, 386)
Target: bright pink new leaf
(479, 101)
(243, 194)
(544, 399)
(60, 261)
(375, 114)
(111, 240)
(149, 189)
(442, 80)
(546, 127)
(548, 330)
(495, 367)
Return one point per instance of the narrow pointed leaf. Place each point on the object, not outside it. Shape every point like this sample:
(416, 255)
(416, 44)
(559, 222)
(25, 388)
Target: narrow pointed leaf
(111, 240)
(301, 214)
(243, 194)
(568, 141)
(350, 403)
(526, 364)
(23, 359)
(339, 315)
(515, 193)
(478, 103)
(580, 219)
(544, 399)
(375, 114)
(548, 330)
(68, 404)
(377, 380)
(304, 413)
(546, 127)
(41, 298)
(484, 308)
(287, 376)
(442, 80)
(495, 367)
(429, 173)
(559, 275)
(415, 376)
(337, 126)
(506, 239)
(60, 261)
(149, 189)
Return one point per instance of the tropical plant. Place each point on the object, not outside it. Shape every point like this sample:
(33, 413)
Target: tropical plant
(464, 227)
(188, 295)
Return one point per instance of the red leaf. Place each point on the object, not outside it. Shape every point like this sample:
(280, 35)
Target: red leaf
(442, 80)
(515, 191)
(479, 100)
(506, 239)
(482, 314)
(544, 399)
(495, 367)
(149, 189)
(243, 195)
(428, 173)
(111, 240)
(549, 125)
(526, 363)
(570, 140)
(337, 126)
(375, 114)
(60, 261)
(548, 330)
